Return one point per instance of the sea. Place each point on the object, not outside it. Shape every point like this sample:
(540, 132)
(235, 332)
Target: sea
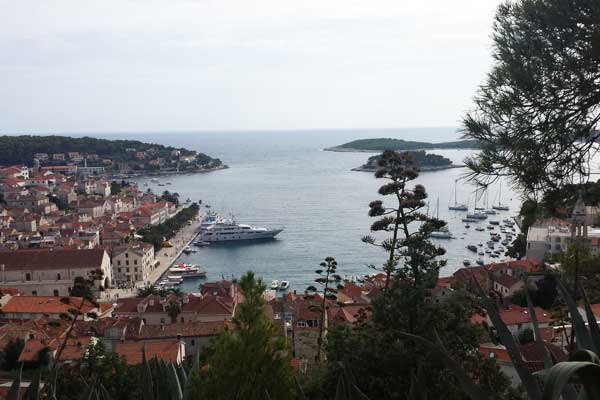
(284, 179)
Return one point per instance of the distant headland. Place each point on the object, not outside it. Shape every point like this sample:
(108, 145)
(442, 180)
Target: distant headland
(424, 161)
(381, 144)
(107, 157)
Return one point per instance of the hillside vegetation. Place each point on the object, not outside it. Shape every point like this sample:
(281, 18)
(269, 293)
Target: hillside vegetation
(381, 144)
(424, 161)
(20, 149)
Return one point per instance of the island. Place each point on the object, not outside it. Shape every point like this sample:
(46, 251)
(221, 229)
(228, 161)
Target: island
(425, 162)
(381, 144)
(92, 156)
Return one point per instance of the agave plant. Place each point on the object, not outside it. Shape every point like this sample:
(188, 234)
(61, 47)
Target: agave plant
(160, 381)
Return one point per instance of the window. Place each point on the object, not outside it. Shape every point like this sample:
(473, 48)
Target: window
(162, 320)
(127, 262)
(135, 269)
(118, 262)
(28, 276)
(126, 255)
(182, 319)
(58, 277)
(119, 269)
(127, 269)
(193, 342)
(55, 292)
(34, 293)
(135, 262)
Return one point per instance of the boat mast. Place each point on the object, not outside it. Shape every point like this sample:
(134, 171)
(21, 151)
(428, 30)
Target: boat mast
(455, 203)
(500, 195)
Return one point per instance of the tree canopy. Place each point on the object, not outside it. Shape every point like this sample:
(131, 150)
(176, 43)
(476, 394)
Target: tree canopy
(537, 112)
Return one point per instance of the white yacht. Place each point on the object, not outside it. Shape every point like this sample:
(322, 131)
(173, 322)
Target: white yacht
(275, 284)
(186, 271)
(225, 230)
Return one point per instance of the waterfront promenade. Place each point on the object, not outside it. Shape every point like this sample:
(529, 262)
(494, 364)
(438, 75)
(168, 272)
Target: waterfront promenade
(165, 257)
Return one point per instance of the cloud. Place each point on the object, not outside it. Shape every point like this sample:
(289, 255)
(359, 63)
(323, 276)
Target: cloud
(199, 64)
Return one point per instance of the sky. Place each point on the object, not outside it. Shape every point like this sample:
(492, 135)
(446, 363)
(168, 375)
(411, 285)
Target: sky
(179, 65)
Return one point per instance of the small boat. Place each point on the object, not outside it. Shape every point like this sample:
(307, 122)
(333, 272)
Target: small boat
(490, 212)
(477, 216)
(480, 229)
(468, 220)
(188, 201)
(187, 250)
(175, 279)
(480, 244)
(284, 285)
(161, 184)
(145, 183)
(201, 243)
(207, 205)
(496, 238)
(472, 247)
(154, 180)
(488, 251)
(490, 227)
(494, 222)
(466, 262)
(168, 183)
(505, 242)
(275, 284)
(480, 261)
(467, 226)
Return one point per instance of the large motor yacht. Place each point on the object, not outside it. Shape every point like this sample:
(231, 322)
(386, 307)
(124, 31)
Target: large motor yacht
(224, 230)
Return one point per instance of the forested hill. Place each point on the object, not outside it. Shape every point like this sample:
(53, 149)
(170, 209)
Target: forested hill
(381, 144)
(20, 149)
(425, 161)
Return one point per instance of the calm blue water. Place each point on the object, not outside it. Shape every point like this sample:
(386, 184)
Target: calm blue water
(284, 179)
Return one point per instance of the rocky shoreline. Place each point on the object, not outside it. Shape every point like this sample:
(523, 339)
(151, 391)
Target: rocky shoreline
(166, 173)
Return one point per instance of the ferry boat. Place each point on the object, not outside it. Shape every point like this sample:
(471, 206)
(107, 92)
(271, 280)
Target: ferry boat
(224, 230)
(186, 271)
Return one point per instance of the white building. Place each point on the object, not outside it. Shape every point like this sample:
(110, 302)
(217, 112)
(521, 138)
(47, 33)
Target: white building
(133, 263)
(52, 272)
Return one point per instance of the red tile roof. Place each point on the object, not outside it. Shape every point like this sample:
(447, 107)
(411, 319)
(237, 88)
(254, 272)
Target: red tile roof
(45, 305)
(507, 281)
(52, 259)
(187, 329)
(166, 350)
(515, 314)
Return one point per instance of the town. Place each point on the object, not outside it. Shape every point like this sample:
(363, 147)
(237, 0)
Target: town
(69, 241)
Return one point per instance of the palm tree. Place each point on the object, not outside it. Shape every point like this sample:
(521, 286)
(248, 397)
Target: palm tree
(173, 310)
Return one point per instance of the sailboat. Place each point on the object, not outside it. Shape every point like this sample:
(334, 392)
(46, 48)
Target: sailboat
(443, 232)
(500, 207)
(477, 215)
(488, 210)
(456, 206)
